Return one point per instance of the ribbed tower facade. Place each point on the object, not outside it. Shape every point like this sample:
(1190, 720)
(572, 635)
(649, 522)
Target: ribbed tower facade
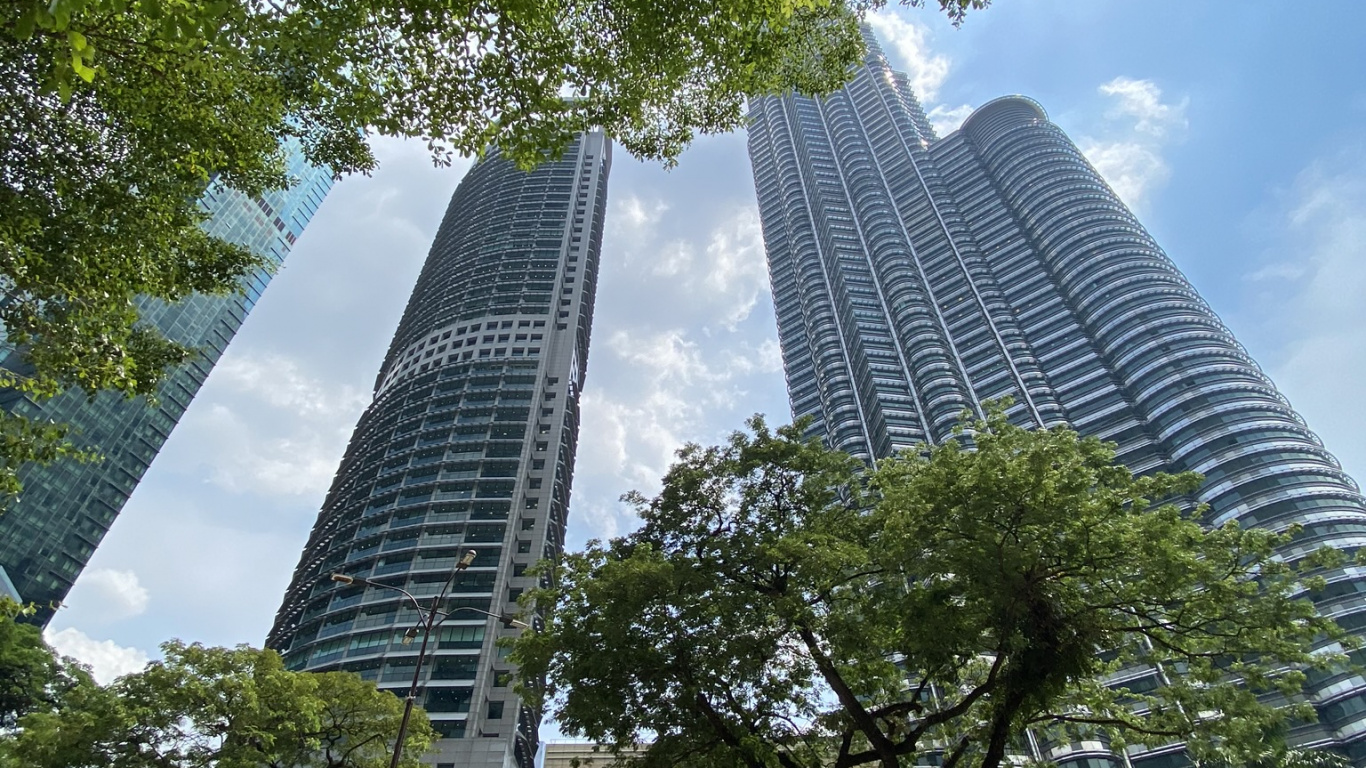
(468, 445)
(915, 277)
(50, 532)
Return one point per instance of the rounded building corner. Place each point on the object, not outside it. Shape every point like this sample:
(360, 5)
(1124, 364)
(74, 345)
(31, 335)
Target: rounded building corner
(1000, 115)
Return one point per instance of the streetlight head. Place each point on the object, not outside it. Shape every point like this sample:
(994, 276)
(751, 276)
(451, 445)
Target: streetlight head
(467, 559)
(509, 621)
(342, 578)
(410, 636)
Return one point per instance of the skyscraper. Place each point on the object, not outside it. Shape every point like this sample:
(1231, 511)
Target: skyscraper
(468, 445)
(49, 533)
(915, 277)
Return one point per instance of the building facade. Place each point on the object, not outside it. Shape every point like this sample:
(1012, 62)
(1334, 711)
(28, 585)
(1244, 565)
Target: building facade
(578, 754)
(468, 445)
(915, 277)
(48, 534)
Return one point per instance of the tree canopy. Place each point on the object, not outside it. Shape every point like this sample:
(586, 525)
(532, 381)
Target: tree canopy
(783, 607)
(32, 678)
(200, 707)
(119, 113)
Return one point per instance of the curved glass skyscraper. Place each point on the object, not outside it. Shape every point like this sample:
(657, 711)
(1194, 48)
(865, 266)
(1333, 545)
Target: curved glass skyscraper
(916, 276)
(51, 530)
(468, 445)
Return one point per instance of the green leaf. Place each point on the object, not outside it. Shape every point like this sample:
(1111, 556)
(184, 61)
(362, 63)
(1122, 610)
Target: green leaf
(23, 28)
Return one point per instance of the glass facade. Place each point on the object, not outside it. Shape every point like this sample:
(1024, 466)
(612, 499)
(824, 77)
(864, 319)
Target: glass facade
(468, 445)
(49, 533)
(916, 276)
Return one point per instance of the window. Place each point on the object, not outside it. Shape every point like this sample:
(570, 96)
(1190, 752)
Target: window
(449, 729)
(448, 699)
(495, 710)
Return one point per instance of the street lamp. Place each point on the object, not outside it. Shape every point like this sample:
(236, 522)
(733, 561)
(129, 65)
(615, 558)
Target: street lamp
(427, 624)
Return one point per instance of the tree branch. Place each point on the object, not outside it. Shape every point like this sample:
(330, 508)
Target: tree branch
(723, 731)
(884, 747)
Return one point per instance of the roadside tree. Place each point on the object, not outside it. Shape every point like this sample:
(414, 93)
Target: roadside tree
(782, 608)
(223, 707)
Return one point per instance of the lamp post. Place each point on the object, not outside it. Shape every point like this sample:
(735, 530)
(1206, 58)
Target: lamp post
(425, 627)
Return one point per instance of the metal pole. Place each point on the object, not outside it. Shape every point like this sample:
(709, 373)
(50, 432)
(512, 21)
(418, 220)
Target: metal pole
(462, 564)
(412, 689)
(428, 626)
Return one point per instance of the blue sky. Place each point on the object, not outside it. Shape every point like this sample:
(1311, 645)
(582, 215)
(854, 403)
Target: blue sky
(1237, 131)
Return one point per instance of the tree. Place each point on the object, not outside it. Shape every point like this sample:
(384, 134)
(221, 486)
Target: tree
(217, 706)
(781, 607)
(119, 113)
(32, 678)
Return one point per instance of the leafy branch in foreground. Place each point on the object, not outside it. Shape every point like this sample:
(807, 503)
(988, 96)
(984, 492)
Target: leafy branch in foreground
(120, 113)
(781, 607)
(24, 440)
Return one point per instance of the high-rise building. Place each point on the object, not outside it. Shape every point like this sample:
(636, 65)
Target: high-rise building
(916, 276)
(468, 445)
(48, 534)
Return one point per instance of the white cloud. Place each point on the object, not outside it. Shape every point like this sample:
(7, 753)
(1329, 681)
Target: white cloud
(279, 382)
(946, 120)
(1131, 169)
(721, 272)
(1138, 127)
(638, 213)
(677, 386)
(107, 660)
(1315, 306)
(683, 341)
(1142, 100)
(109, 594)
(274, 429)
(735, 267)
(909, 42)
(1273, 272)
